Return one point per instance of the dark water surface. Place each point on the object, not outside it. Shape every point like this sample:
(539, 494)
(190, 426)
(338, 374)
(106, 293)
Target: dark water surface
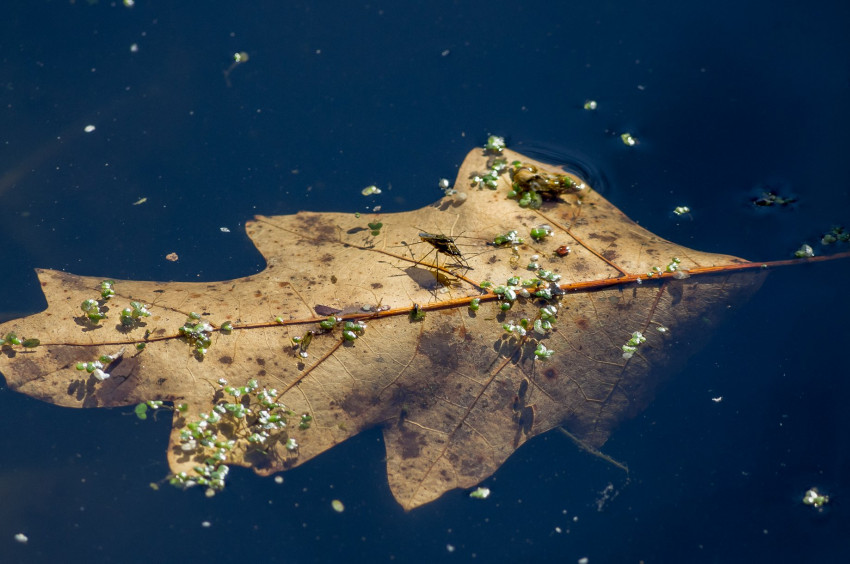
(726, 99)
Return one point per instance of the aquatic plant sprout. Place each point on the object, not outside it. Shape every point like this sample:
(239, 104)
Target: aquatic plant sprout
(542, 353)
(805, 251)
(495, 144)
(480, 493)
(631, 346)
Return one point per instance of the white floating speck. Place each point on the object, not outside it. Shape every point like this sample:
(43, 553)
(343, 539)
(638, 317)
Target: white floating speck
(224, 229)
(718, 399)
(205, 524)
(450, 547)
(21, 538)
(278, 479)
(134, 48)
(337, 506)
(89, 128)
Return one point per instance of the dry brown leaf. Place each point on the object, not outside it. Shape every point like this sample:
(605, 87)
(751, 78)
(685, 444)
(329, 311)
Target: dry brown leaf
(454, 393)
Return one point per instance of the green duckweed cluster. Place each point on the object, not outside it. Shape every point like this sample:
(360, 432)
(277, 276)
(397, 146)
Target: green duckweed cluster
(248, 417)
(197, 333)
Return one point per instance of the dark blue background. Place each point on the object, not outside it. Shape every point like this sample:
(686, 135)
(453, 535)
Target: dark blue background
(724, 97)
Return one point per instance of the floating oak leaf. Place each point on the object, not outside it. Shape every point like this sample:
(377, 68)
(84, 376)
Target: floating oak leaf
(455, 389)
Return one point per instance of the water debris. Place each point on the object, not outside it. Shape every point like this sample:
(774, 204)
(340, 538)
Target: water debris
(590, 105)
(681, 210)
(172, 257)
(140, 201)
(769, 198)
(370, 190)
(337, 506)
(89, 128)
(238, 58)
(837, 233)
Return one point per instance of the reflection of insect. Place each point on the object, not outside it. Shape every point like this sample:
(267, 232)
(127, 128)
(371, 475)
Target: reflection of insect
(446, 245)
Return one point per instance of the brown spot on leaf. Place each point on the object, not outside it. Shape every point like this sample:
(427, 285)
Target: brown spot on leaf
(317, 228)
(603, 238)
(472, 465)
(610, 254)
(357, 403)
(411, 442)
